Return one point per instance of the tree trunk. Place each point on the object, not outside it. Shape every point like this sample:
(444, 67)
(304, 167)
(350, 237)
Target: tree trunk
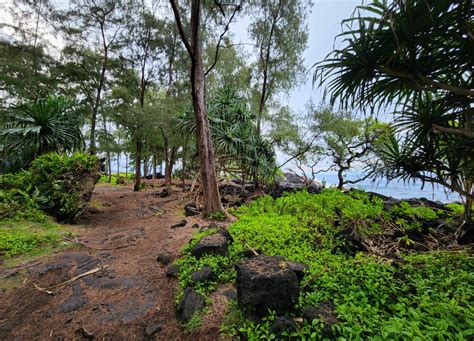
(118, 165)
(340, 185)
(145, 167)
(138, 158)
(209, 186)
(154, 166)
(169, 168)
(126, 166)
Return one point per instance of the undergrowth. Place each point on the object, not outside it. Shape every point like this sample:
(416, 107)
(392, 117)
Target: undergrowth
(423, 296)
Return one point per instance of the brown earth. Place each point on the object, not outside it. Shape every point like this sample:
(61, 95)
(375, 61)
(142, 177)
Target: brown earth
(123, 231)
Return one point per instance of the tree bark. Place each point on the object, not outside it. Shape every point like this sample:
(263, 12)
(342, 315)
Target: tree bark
(154, 166)
(138, 157)
(209, 185)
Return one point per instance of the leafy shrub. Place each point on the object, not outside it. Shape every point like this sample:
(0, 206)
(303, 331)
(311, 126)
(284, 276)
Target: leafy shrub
(53, 184)
(59, 178)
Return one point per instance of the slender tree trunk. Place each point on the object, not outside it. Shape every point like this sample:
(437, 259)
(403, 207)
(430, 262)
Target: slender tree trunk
(341, 178)
(209, 185)
(183, 161)
(126, 166)
(138, 158)
(118, 165)
(169, 168)
(154, 166)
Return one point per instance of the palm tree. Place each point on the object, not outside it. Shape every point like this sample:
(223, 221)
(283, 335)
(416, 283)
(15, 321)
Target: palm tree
(32, 129)
(416, 56)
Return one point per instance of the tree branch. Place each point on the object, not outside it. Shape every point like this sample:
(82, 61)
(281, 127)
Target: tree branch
(439, 129)
(226, 28)
(180, 28)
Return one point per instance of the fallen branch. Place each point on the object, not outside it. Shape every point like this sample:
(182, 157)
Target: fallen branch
(48, 290)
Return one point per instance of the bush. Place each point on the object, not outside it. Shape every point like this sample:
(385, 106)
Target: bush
(59, 184)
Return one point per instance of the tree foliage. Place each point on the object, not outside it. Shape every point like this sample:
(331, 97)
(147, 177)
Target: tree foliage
(416, 56)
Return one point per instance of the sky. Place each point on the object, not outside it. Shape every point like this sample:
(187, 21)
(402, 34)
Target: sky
(324, 24)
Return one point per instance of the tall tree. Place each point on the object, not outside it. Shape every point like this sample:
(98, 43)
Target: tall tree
(93, 25)
(143, 54)
(193, 44)
(279, 31)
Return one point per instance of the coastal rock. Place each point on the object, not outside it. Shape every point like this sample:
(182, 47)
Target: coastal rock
(191, 302)
(213, 244)
(204, 274)
(264, 283)
(283, 324)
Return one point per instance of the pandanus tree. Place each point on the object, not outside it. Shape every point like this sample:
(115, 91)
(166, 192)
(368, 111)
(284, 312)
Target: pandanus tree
(45, 125)
(238, 146)
(417, 57)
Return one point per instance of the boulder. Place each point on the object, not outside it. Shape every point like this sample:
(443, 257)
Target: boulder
(191, 210)
(164, 193)
(172, 271)
(164, 258)
(283, 324)
(181, 223)
(152, 328)
(264, 283)
(324, 312)
(213, 244)
(315, 186)
(191, 302)
(298, 268)
(290, 182)
(204, 274)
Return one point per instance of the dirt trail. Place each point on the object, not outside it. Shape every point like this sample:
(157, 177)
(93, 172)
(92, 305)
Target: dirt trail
(124, 231)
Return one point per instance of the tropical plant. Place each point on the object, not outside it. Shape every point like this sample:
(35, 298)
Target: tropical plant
(43, 126)
(239, 148)
(415, 56)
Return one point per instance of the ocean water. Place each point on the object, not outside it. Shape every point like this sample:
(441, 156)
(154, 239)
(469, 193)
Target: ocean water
(396, 189)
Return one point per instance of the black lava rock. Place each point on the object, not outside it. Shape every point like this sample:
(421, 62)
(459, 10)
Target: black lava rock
(204, 274)
(265, 283)
(191, 302)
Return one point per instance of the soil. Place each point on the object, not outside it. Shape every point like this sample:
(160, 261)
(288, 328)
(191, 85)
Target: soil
(122, 231)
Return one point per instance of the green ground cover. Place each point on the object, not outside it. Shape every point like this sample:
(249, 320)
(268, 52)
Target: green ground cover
(422, 296)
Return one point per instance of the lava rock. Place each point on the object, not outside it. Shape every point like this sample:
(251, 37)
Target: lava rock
(191, 302)
(164, 193)
(191, 210)
(164, 258)
(204, 274)
(75, 301)
(230, 294)
(196, 226)
(324, 312)
(213, 244)
(315, 187)
(152, 328)
(283, 324)
(172, 271)
(182, 223)
(264, 283)
(298, 269)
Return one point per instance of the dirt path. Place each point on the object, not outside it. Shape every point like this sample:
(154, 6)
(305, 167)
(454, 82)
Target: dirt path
(124, 231)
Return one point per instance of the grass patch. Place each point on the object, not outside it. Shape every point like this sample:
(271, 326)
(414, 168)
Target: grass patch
(27, 239)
